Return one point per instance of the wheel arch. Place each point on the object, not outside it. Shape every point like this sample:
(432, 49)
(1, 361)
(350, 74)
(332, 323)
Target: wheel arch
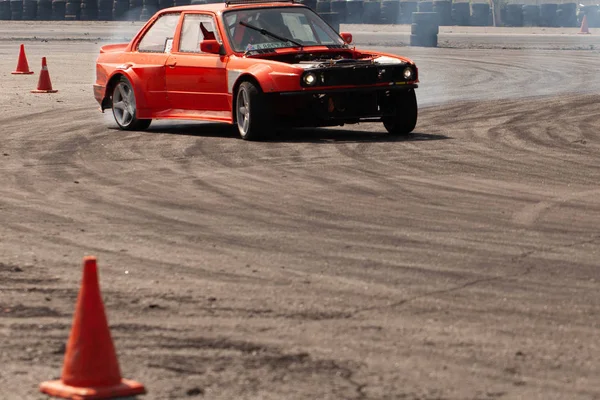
(112, 82)
(247, 77)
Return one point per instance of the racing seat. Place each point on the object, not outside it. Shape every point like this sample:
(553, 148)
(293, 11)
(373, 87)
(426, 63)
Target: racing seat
(207, 35)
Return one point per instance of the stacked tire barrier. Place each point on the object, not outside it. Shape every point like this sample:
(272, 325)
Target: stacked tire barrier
(339, 7)
(72, 10)
(5, 10)
(390, 11)
(149, 7)
(29, 10)
(333, 19)
(461, 13)
(371, 12)
(424, 29)
(16, 10)
(531, 15)
(513, 15)
(354, 9)
(336, 12)
(425, 6)
(44, 10)
(480, 14)
(566, 15)
(444, 10)
(89, 10)
(407, 8)
(592, 14)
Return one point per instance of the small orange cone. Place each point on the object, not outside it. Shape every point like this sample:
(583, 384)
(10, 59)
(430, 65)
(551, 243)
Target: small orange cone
(44, 84)
(91, 369)
(584, 26)
(22, 65)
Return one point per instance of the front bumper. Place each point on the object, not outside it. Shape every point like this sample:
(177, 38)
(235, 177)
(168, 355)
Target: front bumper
(330, 107)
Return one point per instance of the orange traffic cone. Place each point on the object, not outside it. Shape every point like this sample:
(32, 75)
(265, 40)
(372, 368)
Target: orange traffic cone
(22, 65)
(91, 369)
(584, 26)
(44, 84)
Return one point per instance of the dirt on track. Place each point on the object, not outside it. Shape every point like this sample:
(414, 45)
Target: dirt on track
(458, 263)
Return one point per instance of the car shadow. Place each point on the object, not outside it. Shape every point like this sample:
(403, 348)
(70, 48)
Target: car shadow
(296, 135)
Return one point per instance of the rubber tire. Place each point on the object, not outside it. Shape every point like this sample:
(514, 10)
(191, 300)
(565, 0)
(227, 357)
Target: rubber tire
(258, 110)
(405, 120)
(135, 124)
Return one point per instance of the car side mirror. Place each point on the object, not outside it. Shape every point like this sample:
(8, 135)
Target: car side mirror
(347, 37)
(210, 46)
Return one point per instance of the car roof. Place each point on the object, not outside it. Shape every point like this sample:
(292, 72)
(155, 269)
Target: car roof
(221, 7)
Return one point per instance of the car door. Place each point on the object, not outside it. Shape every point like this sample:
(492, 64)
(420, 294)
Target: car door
(197, 81)
(153, 50)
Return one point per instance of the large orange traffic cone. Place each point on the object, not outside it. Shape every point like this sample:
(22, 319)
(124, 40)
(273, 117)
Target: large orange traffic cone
(584, 26)
(44, 84)
(22, 65)
(91, 369)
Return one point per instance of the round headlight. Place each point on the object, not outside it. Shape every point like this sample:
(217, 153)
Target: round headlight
(408, 73)
(310, 79)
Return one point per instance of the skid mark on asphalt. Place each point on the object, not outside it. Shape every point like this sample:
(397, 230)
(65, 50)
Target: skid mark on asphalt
(530, 214)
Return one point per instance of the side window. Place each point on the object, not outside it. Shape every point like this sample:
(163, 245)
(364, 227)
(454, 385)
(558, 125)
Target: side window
(196, 28)
(159, 38)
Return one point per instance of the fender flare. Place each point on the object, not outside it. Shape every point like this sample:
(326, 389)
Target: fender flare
(128, 72)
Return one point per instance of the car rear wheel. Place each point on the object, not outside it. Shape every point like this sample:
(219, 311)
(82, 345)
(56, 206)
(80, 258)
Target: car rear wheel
(251, 112)
(124, 107)
(404, 119)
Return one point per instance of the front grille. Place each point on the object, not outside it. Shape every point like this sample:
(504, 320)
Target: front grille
(359, 75)
(363, 75)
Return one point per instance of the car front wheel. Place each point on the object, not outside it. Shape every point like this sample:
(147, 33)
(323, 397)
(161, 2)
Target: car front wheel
(124, 107)
(251, 112)
(404, 119)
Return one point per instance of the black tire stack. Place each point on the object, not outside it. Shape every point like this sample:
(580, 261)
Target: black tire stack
(105, 8)
(165, 4)
(407, 8)
(592, 15)
(323, 6)
(424, 29)
(120, 10)
(149, 7)
(531, 15)
(58, 10)
(312, 4)
(425, 6)
(44, 10)
(548, 14)
(355, 11)
(461, 13)
(390, 11)
(480, 14)
(5, 13)
(72, 10)
(89, 10)
(339, 7)
(333, 19)
(135, 10)
(30, 10)
(371, 12)
(16, 10)
(444, 10)
(566, 15)
(513, 15)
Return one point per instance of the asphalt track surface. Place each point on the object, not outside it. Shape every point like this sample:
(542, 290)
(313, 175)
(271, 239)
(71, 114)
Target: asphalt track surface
(458, 263)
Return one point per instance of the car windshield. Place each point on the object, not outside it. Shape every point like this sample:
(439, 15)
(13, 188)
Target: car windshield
(265, 28)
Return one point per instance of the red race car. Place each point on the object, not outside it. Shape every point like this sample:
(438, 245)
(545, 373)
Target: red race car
(255, 65)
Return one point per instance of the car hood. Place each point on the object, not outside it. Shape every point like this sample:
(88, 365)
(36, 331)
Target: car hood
(330, 59)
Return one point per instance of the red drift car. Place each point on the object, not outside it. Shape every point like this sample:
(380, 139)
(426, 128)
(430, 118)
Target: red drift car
(256, 65)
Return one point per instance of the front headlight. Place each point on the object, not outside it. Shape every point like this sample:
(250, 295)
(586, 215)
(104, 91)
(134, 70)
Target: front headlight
(310, 79)
(408, 73)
